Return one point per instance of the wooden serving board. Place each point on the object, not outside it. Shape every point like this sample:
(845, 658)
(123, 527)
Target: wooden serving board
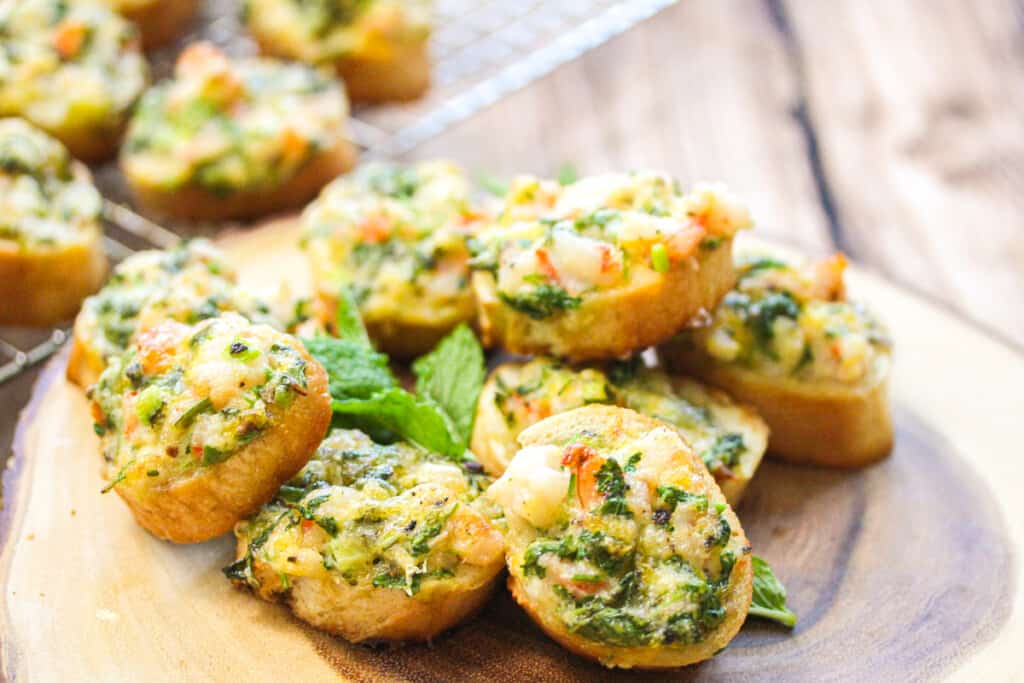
(907, 570)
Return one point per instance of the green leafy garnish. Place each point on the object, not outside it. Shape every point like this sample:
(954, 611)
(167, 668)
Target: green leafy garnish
(398, 411)
(543, 301)
(452, 376)
(189, 415)
(770, 596)
(612, 483)
(353, 370)
(348, 322)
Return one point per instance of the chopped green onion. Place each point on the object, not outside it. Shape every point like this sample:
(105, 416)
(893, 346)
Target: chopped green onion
(189, 415)
(659, 258)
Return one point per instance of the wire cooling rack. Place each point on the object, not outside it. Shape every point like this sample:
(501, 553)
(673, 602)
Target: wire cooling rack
(482, 50)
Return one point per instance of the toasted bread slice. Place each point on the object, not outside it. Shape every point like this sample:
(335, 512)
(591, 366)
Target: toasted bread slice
(236, 138)
(193, 202)
(202, 424)
(815, 423)
(368, 563)
(603, 267)
(75, 70)
(396, 234)
(44, 286)
(813, 364)
(51, 240)
(381, 51)
(609, 514)
(109, 319)
(730, 438)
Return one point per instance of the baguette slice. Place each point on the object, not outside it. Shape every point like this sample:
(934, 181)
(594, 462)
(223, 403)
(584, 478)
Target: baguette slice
(557, 496)
(51, 240)
(610, 324)
(369, 563)
(381, 52)
(605, 266)
(821, 423)
(814, 364)
(193, 202)
(202, 424)
(730, 437)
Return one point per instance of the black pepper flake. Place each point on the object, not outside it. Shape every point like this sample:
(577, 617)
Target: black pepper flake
(473, 466)
(411, 525)
(238, 347)
(661, 517)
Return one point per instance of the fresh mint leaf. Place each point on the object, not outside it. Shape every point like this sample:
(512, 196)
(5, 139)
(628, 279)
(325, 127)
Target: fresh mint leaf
(396, 410)
(770, 596)
(452, 376)
(354, 371)
(349, 322)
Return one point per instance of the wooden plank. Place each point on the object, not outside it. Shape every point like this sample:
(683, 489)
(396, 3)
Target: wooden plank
(917, 105)
(868, 556)
(703, 90)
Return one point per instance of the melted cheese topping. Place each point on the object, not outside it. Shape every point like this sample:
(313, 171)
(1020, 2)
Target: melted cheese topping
(192, 396)
(552, 246)
(44, 202)
(397, 236)
(189, 283)
(68, 66)
(793, 320)
(616, 536)
(326, 30)
(393, 517)
(727, 440)
(232, 125)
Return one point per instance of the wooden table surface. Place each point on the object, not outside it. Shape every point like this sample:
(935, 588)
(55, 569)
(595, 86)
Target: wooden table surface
(889, 129)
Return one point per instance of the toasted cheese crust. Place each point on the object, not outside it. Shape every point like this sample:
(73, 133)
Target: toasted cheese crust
(620, 545)
(814, 364)
(396, 235)
(201, 424)
(379, 47)
(51, 252)
(374, 542)
(73, 69)
(729, 438)
(234, 139)
(602, 267)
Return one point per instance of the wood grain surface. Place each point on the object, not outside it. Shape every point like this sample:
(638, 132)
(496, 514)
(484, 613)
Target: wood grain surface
(903, 571)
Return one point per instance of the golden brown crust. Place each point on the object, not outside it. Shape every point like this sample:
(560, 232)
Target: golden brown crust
(93, 145)
(362, 614)
(197, 203)
(212, 500)
(405, 76)
(85, 362)
(41, 287)
(612, 420)
(612, 324)
(811, 423)
(161, 22)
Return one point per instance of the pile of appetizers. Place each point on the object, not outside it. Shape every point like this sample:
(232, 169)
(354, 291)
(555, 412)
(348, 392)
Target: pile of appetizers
(602, 473)
(600, 466)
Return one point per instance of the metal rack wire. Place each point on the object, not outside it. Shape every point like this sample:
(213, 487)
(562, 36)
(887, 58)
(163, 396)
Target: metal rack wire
(482, 50)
